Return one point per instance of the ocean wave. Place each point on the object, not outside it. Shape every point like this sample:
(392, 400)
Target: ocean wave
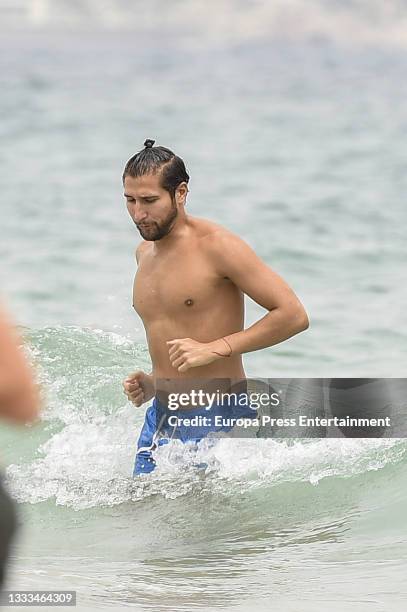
(90, 433)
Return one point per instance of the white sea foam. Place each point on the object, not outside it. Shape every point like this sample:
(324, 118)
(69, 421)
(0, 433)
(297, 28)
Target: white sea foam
(90, 463)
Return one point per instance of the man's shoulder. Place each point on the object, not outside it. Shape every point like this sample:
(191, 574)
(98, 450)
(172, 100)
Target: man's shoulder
(223, 248)
(210, 232)
(141, 248)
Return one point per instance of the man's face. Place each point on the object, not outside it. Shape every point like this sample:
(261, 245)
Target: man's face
(150, 206)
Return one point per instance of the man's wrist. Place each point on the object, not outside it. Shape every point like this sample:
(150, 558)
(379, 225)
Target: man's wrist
(221, 348)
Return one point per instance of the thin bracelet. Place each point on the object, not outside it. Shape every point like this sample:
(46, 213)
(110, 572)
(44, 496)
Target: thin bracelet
(227, 344)
(230, 348)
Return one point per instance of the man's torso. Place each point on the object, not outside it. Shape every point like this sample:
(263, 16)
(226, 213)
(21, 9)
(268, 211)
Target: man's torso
(180, 293)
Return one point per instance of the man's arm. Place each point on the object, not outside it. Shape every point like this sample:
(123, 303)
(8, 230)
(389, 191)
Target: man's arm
(139, 386)
(286, 315)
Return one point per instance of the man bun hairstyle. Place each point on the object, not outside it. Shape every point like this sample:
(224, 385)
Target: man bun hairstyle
(151, 160)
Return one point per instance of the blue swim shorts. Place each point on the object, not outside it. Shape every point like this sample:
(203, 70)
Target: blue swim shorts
(159, 428)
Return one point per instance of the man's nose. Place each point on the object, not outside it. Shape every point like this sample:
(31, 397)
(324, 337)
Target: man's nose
(138, 213)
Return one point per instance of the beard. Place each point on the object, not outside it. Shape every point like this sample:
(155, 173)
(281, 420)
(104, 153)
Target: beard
(155, 231)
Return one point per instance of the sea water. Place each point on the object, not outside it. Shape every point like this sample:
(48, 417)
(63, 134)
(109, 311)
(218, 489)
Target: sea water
(291, 118)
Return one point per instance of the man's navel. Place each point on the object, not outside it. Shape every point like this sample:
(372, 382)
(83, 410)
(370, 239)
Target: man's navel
(189, 302)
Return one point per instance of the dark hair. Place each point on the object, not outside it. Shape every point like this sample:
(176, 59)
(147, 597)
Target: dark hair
(151, 160)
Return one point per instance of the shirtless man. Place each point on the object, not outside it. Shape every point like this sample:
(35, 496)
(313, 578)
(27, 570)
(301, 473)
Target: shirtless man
(189, 289)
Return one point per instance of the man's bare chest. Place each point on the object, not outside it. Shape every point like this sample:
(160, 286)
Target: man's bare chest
(179, 285)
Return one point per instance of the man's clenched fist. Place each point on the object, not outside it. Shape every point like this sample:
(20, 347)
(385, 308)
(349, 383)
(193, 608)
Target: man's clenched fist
(139, 387)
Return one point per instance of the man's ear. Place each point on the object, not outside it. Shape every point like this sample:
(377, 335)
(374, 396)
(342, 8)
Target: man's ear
(181, 193)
